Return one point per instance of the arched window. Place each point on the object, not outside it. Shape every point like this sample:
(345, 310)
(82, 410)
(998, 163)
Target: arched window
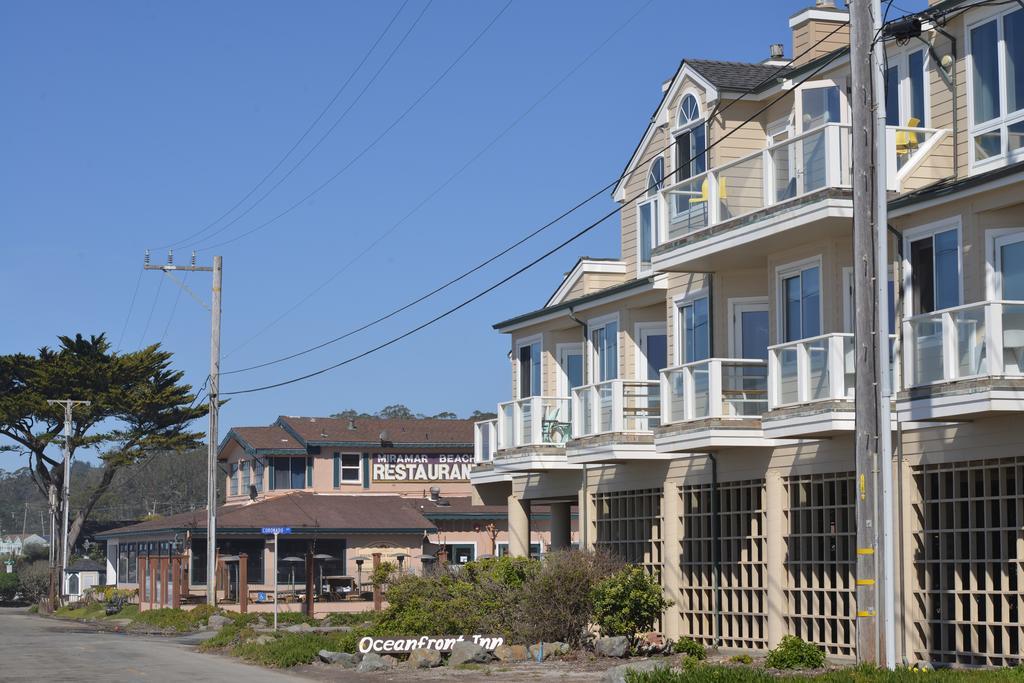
(655, 176)
(72, 584)
(689, 111)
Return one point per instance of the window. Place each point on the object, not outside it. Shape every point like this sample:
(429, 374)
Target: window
(934, 262)
(647, 214)
(694, 330)
(800, 293)
(233, 476)
(257, 475)
(819, 105)
(905, 81)
(535, 550)
(529, 369)
(73, 584)
(347, 468)
(996, 48)
(604, 348)
(244, 467)
(570, 364)
(460, 553)
(691, 143)
(290, 473)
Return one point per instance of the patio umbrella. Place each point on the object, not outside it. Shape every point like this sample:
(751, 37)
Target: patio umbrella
(359, 559)
(292, 560)
(321, 557)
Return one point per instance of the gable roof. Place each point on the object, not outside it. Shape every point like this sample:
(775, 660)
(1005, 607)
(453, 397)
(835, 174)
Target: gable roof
(264, 439)
(371, 430)
(583, 266)
(299, 510)
(737, 75)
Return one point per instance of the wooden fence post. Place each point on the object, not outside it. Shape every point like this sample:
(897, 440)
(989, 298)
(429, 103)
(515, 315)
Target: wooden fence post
(243, 583)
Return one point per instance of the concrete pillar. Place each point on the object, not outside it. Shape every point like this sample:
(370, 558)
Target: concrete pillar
(671, 576)
(776, 534)
(561, 526)
(518, 527)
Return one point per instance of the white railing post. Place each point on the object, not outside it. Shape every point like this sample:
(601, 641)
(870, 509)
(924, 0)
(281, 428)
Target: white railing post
(891, 182)
(774, 378)
(836, 367)
(907, 350)
(595, 409)
(715, 388)
(833, 156)
(537, 419)
(577, 413)
(688, 390)
(768, 177)
(666, 394)
(995, 363)
(803, 374)
(714, 210)
(949, 347)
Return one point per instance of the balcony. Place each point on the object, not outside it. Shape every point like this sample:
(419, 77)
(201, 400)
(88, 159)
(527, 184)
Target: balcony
(531, 433)
(769, 193)
(964, 361)
(614, 421)
(810, 386)
(713, 403)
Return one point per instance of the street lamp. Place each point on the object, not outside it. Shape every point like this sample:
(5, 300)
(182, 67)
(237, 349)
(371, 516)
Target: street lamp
(321, 557)
(292, 560)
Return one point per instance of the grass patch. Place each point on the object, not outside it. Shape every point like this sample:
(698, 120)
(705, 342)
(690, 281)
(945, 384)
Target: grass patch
(292, 618)
(179, 620)
(287, 649)
(84, 612)
(352, 618)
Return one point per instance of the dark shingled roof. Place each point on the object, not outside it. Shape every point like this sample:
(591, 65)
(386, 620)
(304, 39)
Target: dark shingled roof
(299, 510)
(268, 438)
(736, 75)
(315, 430)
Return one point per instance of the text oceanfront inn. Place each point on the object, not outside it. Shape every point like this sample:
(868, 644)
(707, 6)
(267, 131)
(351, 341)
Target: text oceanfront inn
(691, 400)
(343, 494)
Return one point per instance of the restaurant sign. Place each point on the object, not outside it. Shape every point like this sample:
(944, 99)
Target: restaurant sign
(439, 643)
(425, 467)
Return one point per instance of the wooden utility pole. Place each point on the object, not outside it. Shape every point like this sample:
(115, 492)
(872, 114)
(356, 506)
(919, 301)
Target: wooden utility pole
(214, 401)
(69, 406)
(874, 575)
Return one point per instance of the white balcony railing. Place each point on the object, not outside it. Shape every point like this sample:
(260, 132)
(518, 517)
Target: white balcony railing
(714, 388)
(618, 405)
(806, 163)
(814, 369)
(973, 340)
(534, 421)
(485, 440)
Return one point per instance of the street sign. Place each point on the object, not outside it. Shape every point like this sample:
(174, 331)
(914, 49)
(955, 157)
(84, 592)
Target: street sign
(276, 530)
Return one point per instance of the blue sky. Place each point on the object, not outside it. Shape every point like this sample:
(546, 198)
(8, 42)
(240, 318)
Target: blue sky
(131, 125)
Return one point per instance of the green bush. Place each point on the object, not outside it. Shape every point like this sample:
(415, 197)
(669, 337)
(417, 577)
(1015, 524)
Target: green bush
(794, 653)
(292, 618)
(8, 587)
(557, 603)
(628, 602)
(690, 648)
(169, 618)
(289, 649)
(741, 659)
(383, 573)
(352, 618)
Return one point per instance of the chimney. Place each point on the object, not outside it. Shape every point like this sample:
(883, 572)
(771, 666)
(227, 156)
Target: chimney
(812, 25)
(435, 492)
(351, 424)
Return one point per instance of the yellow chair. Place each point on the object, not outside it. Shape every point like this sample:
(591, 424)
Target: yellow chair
(906, 140)
(703, 197)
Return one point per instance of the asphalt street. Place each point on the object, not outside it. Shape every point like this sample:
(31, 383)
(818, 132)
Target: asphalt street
(34, 648)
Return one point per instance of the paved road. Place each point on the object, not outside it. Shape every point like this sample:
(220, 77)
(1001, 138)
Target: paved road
(37, 649)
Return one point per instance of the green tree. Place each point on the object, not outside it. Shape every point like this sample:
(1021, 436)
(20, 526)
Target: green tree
(396, 412)
(139, 406)
(480, 415)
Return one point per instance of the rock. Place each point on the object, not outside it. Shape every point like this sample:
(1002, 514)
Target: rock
(342, 658)
(511, 653)
(299, 628)
(615, 646)
(424, 658)
(217, 621)
(467, 652)
(539, 654)
(263, 639)
(617, 674)
(374, 662)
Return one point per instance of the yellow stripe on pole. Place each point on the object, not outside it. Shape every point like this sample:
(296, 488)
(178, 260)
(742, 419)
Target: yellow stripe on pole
(867, 614)
(865, 551)
(865, 582)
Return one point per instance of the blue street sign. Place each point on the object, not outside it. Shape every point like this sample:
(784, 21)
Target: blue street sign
(270, 530)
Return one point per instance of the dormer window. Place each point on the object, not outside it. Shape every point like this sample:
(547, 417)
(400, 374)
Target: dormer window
(647, 215)
(689, 112)
(655, 177)
(691, 140)
(996, 85)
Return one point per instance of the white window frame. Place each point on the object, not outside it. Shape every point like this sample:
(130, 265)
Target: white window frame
(594, 324)
(1005, 119)
(342, 482)
(738, 305)
(476, 550)
(920, 232)
(848, 321)
(788, 270)
(561, 351)
(654, 201)
(677, 321)
(640, 331)
(994, 239)
(901, 60)
(677, 130)
(520, 343)
(798, 103)
(498, 546)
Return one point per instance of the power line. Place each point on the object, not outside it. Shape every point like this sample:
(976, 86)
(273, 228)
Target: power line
(407, 110)
(174, 308)
(149, 318)
(432, 194)
(131, 307)
(529, 265)
(504, 251)
(313, 124)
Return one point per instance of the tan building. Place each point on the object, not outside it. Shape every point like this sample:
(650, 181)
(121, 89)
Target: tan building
(347, 490)
(693, 398)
